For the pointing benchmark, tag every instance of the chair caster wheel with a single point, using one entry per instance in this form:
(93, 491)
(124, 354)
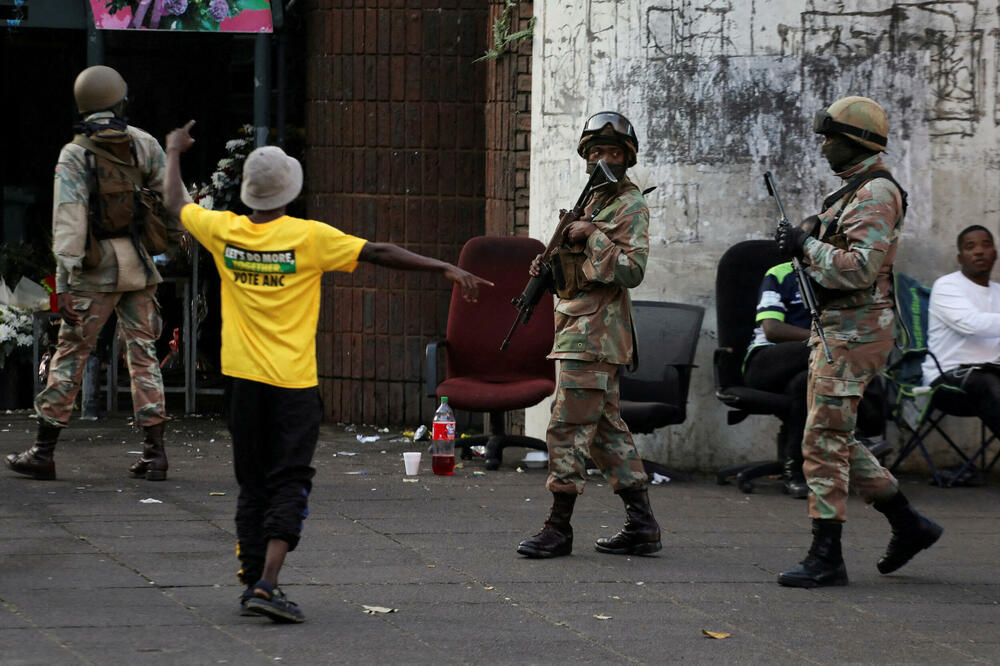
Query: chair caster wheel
(492, 464)
(746, 487)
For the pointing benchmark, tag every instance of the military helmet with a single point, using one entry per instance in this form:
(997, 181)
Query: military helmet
(98, 88)
(860, 119)
(609, 127)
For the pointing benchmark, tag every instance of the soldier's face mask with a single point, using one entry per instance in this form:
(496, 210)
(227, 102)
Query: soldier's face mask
(617, 170)
(840, 152)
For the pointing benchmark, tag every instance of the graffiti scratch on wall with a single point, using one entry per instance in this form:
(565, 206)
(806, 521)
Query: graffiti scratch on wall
(995, 34)
(689, 27)
(945, 29)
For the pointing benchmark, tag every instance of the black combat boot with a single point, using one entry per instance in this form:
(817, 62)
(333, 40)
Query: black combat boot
(641, 534)
(824, 565)
(793, 481)
(556, 537)
(152, 464)
(37, 462)
(911, 532)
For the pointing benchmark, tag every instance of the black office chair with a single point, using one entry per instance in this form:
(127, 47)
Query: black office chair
(655, 394)
(737, 282)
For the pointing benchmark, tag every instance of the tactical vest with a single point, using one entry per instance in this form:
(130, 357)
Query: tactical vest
(119, 203)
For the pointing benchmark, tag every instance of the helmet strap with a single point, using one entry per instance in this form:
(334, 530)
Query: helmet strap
(89, 128)
(863, 134)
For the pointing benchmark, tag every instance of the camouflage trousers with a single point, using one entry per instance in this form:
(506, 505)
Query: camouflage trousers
(586, 421)
(140, 322)
(835, 461)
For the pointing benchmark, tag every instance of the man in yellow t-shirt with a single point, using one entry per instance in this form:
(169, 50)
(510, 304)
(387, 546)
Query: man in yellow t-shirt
(270, 265)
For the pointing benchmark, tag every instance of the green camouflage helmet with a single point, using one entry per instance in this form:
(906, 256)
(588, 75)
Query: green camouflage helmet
(859, 119)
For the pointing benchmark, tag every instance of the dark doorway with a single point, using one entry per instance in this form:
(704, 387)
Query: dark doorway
(172, 77)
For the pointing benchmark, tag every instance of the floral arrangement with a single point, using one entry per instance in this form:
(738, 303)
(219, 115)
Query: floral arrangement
(16, 330)
(184, 14)
(224, 186)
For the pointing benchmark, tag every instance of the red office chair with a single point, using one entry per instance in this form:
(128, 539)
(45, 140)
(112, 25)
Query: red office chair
(479, 377)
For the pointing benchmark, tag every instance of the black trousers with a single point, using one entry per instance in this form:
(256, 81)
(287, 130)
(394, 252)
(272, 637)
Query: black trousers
(274, 437)
(981, 395)
(783, 368)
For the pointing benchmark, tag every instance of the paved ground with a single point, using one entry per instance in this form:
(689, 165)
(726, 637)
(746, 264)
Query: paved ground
(92, 575)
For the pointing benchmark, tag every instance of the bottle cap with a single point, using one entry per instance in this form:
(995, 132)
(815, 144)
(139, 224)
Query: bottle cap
(444, 398)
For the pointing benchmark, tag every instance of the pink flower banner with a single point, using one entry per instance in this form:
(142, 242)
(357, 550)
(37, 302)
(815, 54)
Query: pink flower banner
(185, 15)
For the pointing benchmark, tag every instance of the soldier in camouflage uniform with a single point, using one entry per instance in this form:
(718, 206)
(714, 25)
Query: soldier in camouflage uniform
(849, 250)
(603, 255)
(124, 281)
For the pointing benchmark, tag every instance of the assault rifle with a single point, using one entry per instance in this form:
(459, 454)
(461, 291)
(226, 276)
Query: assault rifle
(805, 286)
(532, 293)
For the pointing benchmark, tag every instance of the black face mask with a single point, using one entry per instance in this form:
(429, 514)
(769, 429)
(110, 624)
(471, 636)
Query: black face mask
(617, 170)
(841, 153)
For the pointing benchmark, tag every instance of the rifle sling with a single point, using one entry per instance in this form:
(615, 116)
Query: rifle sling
(852, 186)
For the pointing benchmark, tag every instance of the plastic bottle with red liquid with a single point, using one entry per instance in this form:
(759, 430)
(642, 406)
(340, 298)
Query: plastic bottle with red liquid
(443, 444)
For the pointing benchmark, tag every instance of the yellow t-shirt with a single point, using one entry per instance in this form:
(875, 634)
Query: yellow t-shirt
(270, 277)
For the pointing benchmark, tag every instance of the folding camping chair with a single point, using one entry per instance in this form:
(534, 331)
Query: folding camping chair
(912, 405)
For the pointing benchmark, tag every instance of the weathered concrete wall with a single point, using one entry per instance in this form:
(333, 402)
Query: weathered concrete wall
(722, 90)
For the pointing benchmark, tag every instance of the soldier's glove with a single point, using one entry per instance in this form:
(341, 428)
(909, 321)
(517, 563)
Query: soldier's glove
(790, 240)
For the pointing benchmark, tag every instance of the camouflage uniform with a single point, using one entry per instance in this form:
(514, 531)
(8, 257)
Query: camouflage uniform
(593, 340)
(123, 281)
(859, 330)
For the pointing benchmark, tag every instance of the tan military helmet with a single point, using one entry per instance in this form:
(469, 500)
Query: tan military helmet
(860, 119)
(98, 88)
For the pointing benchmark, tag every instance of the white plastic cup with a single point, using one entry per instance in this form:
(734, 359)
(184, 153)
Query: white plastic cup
(411, 459)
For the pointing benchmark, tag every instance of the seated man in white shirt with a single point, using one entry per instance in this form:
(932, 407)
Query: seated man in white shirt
(964, 331)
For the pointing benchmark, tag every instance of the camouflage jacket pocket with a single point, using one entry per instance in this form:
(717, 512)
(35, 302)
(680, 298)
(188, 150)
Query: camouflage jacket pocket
(586, 304)
(838, 387)
(575, 344)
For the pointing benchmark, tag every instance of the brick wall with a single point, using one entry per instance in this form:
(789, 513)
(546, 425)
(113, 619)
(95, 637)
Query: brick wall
(395, 136)
(508, 129)
(508, 142)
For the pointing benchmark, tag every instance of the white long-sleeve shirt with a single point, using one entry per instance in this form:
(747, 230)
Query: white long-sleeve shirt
(964, 324)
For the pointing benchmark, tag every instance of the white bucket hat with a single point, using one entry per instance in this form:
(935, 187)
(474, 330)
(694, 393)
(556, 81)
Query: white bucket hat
(271, 179)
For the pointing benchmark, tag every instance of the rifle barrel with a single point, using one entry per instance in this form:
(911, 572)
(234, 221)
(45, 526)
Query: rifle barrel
(805, 287)
(532, 292)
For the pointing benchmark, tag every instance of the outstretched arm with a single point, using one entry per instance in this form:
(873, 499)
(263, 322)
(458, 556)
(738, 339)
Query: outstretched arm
(178, 141)
(393, 256)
